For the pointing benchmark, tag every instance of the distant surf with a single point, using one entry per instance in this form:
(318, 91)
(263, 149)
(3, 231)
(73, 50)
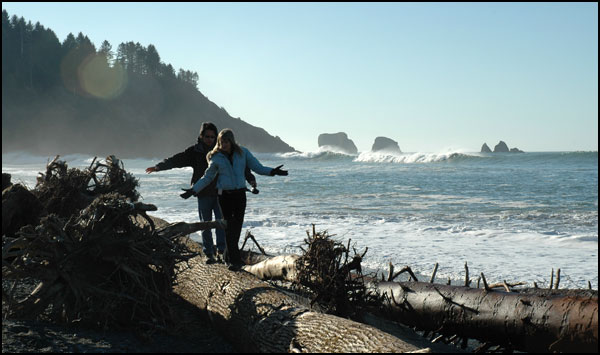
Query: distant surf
(329, 153)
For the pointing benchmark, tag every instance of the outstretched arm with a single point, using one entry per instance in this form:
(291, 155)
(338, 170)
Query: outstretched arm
(279, 171)
(151, 169)
(255, 165)
(178, 160)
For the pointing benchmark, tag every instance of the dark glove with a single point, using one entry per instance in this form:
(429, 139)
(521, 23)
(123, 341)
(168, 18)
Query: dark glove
(188, 193)
(278, 171)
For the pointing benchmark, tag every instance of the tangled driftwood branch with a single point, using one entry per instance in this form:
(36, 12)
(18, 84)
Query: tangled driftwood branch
(65, 191)
(325, 268)
(93, 261)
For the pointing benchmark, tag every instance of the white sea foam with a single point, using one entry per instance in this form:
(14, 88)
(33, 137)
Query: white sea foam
(411, 158)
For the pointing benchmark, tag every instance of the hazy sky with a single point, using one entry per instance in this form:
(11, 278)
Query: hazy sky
(432, 76)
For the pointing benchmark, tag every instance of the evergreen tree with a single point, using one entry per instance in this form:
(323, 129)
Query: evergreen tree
(188, 76)
(152, 60)
(106, 51)
(46, 56)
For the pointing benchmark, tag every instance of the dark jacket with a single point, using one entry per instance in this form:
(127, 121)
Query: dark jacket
(195, 156)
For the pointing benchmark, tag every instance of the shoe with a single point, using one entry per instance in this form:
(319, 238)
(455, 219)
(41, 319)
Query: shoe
(210, 260)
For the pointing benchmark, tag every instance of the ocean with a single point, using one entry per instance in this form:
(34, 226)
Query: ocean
(511, 216)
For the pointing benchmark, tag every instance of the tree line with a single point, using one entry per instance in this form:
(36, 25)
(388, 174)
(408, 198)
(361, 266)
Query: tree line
(71, 97)
(34, 58)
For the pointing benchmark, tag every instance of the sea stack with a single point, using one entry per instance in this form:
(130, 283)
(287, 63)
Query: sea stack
(485, 148)
(338, 140)
(385, 144)
(501, 147)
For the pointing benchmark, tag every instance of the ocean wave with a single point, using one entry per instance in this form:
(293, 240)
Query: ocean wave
(411, 158)
(330, 154)
(323, 153)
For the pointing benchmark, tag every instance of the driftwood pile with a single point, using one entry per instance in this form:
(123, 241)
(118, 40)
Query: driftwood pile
(86, 249)
(500, 316)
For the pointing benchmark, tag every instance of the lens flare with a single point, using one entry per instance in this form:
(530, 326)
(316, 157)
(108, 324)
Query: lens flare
(92, 76)
(98, 79)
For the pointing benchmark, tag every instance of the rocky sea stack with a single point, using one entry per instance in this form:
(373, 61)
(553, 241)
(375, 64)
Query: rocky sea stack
(485, 148)
(385, 144)
(338, 140)
(501, 147)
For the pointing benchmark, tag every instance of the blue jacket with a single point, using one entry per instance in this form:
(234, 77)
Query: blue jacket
(230, 177)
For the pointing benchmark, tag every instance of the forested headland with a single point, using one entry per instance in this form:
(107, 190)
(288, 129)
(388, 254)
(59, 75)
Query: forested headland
(71, 97)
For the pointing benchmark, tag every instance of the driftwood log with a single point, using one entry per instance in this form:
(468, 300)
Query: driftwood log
(534, 320)
(260, 318)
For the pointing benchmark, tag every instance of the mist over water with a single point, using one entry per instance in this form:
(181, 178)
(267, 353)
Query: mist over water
(513, 217)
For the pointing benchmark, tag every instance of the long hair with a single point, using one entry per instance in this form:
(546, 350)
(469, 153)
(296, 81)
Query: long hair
(226, 134)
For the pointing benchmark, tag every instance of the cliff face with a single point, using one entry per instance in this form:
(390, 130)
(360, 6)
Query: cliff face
(338, 140)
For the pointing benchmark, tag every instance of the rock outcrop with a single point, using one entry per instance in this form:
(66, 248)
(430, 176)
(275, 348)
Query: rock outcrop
(338, 140)
(385, 144)
(485, 148)
(501, 147)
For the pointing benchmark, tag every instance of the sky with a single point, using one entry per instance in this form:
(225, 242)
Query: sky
(434, 77)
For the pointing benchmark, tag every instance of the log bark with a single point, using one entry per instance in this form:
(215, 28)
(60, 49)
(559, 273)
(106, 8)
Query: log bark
(530, 321)
(260, 318)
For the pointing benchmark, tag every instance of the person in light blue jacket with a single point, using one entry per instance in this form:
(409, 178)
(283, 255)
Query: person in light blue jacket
(227, 163)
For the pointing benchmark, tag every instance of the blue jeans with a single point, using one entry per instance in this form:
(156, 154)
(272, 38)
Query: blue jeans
(206, 206)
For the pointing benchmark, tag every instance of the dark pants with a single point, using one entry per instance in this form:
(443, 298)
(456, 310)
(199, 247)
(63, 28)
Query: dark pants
(233, 205)
(206, 206)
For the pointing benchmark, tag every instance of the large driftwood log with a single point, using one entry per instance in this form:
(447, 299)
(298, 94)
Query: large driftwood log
(260, 318)
(527, 321)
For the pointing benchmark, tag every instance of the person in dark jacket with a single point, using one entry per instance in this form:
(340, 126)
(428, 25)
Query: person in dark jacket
(227, 164)
(195, 157)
